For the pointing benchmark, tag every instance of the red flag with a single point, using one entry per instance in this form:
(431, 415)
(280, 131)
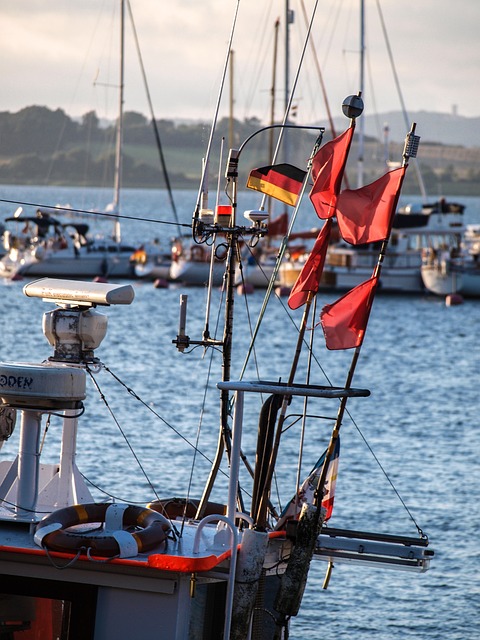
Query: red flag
(344, 322)
(306, 493)
(281, 181)
(328, 166)
(309, 277)
(365, 214)
(278, 226)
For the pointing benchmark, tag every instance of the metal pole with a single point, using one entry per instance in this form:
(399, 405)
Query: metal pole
(261, 517)
(119, 141)
(224, 435)
(361, 132)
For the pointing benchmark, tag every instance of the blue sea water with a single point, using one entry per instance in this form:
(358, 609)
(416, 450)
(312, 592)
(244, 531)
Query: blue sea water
(420, 360)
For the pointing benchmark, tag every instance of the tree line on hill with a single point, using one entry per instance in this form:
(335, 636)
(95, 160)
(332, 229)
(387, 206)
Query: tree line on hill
(39, 145)
(43, 146)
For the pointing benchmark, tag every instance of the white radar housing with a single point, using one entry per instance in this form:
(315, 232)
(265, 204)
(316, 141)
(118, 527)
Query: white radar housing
(82, 294)
(256, 216)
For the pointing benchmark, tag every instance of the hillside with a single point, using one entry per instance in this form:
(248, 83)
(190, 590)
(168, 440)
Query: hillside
(437, 128)
(41, 146)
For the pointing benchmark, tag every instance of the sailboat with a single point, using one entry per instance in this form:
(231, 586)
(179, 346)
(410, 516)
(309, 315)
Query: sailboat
(186, 567)
(44, 245)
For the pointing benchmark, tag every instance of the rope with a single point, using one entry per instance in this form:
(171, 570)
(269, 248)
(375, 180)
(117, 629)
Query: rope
(104, 399)
(389, 480)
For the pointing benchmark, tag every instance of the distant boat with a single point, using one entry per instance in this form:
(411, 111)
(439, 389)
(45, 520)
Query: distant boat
(417, 230)
(42, 245)
(457, 271)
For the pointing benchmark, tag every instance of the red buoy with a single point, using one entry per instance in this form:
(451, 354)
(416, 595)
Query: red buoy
(283, 291)
(453, 299)
(245, 289)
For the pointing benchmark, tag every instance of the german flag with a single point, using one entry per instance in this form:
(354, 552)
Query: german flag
(280, 181)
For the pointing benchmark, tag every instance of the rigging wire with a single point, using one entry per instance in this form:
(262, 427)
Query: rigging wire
(155, 413)
(125, 437)
(202, 413)
(400, 96)
(58, 208)
(312, 356)
(292, 92)
(201, 188)
(197, 440)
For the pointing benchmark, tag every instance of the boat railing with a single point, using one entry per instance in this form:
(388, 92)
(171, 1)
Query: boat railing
(229, 524)
(282, 389)
(339, 545)
(374, 549)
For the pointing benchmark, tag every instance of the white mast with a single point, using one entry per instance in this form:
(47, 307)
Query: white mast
(361, 124)
(119, 140)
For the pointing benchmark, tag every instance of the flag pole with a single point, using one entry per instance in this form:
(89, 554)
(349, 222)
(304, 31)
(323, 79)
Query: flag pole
(288, 599)
(410, 150)
(352, 107)
(281, 251)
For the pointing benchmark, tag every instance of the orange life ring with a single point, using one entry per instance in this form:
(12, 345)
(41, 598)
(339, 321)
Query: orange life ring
(112, 541)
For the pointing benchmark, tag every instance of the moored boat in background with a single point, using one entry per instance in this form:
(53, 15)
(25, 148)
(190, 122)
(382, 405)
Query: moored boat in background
(417, 231)
(42, 245)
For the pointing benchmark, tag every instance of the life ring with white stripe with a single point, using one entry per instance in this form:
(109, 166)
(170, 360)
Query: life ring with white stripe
(148, 529)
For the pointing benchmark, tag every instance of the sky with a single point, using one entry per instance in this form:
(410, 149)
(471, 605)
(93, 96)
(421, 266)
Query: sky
(64, 54)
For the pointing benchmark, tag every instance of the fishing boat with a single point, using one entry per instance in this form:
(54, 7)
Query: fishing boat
(182, 567)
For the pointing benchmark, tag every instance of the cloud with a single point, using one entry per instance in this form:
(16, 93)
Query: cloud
(50, 53)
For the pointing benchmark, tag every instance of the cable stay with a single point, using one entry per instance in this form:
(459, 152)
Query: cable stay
(154, 122)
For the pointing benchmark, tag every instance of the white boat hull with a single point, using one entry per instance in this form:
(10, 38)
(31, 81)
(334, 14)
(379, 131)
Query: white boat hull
(441, 282)
(84, 265)
(195, 273)
(404, 280)
(153, 270)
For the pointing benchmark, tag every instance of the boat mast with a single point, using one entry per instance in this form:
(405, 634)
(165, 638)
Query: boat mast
(361, 128)
(154, 124)
(273, 89)
(288, 21)
(119, 139)
(231, 102)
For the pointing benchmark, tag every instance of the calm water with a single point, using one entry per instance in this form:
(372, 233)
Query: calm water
(420, 359)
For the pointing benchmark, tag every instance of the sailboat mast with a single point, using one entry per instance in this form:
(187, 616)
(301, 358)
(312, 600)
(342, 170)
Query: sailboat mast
(273, 89)
(288, 21)
(231, 101)
(361, 128)
(287, 52)
(119, 139)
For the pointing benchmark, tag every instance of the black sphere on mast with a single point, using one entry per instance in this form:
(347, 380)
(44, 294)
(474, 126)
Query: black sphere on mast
(352, 106)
